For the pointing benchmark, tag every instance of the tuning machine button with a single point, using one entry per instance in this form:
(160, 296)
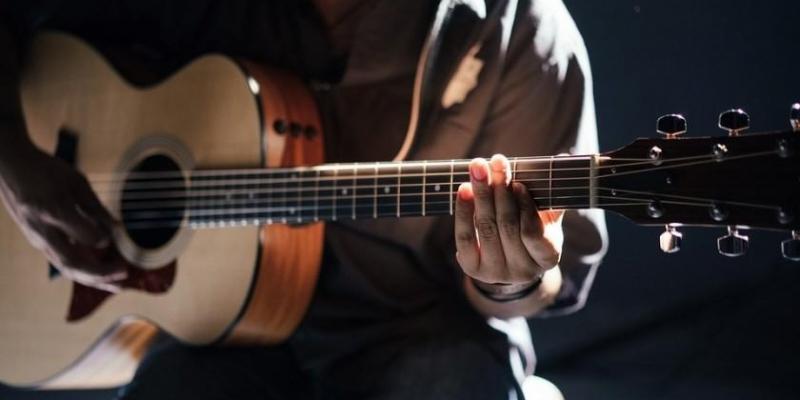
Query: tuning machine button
(734, 121)
(670, 240)
(733, 244)
(794, 117)
(790, 248)
(671, 125)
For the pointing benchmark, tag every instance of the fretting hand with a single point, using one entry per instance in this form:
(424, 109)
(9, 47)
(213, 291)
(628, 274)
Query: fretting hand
(501, 237)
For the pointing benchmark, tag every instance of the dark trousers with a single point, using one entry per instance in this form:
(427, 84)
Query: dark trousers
(435, 370)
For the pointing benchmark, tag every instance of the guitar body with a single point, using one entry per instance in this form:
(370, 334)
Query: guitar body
(247, 285)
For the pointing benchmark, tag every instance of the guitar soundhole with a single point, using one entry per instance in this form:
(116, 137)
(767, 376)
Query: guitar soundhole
(153, 201)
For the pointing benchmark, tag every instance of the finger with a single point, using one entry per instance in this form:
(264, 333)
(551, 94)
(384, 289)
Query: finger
(520, 265)
(80, 262)
(532, 231)
(485, 222)
(94, 210)
(467, 252)
(70, 219)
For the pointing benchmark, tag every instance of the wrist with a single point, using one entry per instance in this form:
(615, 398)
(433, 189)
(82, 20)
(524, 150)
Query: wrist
(528, 306)
(506, 292)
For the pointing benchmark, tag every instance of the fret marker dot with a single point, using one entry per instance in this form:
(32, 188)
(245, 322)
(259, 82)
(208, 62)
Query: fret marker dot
(387, 189)
(437, 187)
(344, 191)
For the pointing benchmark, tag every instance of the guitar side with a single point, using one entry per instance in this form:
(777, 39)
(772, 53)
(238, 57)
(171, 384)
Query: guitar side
(243, 285)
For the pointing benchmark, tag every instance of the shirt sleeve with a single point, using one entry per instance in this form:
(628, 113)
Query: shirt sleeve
(544, 105)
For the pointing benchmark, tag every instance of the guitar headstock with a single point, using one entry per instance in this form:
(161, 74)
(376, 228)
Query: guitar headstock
(737, 182)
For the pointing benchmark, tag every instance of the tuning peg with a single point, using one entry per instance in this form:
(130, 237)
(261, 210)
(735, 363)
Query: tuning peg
(734, 121)
(794, 117)
(670, 240)
(790, 248)
(733, 244)
(671, 125)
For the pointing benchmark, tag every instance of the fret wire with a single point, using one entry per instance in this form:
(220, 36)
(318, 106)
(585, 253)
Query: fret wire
(399, 173)
(550, 182)
(424, 181)
(514, 170)
(375, 193)
(285, 199)
(355, 178)
(452, 163)
(335, 192)
(268, 186)
(298, 212)
(316, 197)
(593, 181)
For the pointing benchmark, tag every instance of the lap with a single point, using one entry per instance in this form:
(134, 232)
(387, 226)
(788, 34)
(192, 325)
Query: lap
(433, 368)
(174, 371)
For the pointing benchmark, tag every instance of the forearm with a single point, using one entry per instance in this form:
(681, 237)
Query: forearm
(527, 306)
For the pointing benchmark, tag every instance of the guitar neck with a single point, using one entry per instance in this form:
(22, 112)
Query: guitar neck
(334, 192)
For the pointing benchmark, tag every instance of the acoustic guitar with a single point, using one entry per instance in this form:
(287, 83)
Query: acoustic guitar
(217, 177)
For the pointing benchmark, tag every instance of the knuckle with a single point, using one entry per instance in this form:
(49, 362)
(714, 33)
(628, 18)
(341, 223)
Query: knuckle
(463, 211)
(486, 227)
(508, 222)
(465, 237)
(482, 191)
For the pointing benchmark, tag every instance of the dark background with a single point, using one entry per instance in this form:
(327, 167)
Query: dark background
(692, 324)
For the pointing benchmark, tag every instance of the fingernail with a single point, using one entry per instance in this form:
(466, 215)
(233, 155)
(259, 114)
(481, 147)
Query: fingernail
(478, 171)
(498, 163)
(464, 192)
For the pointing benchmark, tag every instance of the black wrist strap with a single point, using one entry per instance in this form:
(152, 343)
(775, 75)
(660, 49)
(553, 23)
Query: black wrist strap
(501, 296)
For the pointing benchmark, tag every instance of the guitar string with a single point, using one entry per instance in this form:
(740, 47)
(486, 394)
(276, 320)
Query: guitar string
(100, 177)
(355, 187)
(181, 193)
(284, 205)
(247, 218)
(144, 204)
(195, 205)
(223, 192)
(734, 203)
(297, 172)
(301, 207)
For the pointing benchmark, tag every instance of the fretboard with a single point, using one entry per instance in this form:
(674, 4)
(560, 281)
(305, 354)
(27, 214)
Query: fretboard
(334, 192)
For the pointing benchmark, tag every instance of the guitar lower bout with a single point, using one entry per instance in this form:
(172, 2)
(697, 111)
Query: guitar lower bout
(244, 285)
